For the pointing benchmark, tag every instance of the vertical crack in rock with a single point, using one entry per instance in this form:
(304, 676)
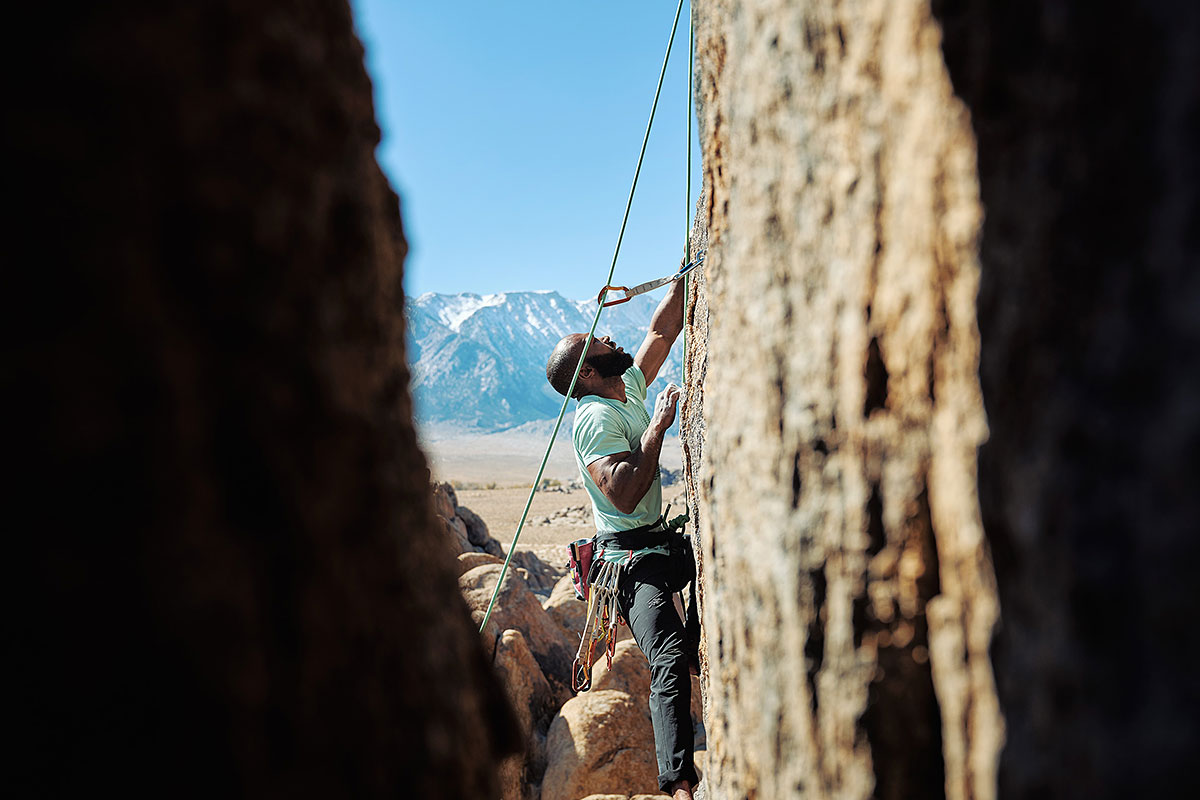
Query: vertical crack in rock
(903, 720)
(876, 536)
(814, 643)
(797, 481)
(877, 379)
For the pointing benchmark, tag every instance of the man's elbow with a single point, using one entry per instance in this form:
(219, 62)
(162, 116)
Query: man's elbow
(669, 330)
(624, 504)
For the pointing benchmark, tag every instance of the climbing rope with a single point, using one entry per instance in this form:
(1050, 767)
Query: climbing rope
(592, 331)
(687, 241)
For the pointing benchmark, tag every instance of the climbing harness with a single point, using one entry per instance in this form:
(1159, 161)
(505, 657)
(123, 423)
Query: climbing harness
(648, 286)
(600, 585)
(595, 321)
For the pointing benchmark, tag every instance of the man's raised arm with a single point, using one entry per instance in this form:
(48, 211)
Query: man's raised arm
(665, 326)
(624, 478)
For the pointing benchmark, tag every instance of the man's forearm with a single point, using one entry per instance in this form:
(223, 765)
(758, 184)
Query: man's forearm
(634, 476)
(667, 321)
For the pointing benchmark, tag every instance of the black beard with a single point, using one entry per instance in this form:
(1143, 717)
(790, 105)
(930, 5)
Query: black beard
(611, 365)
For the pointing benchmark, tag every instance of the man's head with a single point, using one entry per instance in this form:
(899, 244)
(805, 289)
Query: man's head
(604, 361)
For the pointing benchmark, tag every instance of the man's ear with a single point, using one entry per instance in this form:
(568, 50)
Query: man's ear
(586, 374)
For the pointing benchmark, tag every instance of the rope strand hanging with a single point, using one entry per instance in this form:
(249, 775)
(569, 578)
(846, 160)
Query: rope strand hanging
(595, 321)
(687, 248)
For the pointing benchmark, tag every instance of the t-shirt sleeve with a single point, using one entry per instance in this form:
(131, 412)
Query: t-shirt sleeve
(635, 383)
(598, 433)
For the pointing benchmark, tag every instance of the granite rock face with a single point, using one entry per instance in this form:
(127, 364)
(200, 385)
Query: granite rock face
(858, 312)
(849, 598)
(238, 585)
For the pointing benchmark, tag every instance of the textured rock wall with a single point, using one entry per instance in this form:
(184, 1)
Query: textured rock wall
(842, 527)
(691, 406)
(230, 580)
(849, 599)
(1088, 117)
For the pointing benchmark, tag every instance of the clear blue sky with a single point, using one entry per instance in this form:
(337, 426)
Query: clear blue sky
(511, 130)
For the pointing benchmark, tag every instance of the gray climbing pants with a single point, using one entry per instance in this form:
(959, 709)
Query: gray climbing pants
(649, 608)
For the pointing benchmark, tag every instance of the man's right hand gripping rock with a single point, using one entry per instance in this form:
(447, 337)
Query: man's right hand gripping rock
(664, 408)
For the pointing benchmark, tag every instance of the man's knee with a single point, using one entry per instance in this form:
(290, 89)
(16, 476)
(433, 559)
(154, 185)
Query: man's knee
(669, 659)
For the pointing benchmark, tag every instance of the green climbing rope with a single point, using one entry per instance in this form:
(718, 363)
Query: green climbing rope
(687, 200)
(687, 236)
(591, 332)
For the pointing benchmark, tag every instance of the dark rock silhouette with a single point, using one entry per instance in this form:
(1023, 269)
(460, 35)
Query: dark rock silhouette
(1088, 122)
(230, 580)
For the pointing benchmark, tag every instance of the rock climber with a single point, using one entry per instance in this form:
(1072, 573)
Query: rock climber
(617, 446)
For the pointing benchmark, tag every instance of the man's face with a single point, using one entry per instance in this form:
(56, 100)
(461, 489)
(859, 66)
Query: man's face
(607, 358)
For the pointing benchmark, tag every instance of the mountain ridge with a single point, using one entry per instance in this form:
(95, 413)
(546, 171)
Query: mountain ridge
(479, 361)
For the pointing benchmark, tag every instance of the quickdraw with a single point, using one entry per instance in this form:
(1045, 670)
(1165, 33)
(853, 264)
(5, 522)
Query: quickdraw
(649, 286)
(602, 619)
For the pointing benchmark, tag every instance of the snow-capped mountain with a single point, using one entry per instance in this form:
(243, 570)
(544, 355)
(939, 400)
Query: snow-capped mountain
(479, 362)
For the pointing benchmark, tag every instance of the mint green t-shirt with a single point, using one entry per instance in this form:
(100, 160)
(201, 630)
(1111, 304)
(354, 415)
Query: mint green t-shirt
(604, 427)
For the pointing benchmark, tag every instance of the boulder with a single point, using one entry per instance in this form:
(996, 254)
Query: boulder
(600, 741)
(849, 351)
(542, 576)
(565, 609)
(629, 673)
(534, 701)
(527, 687)
(457, 535)
(471, 559)
(701, 739)
(477, 532)
(580, 516)
(518, 608)
(444, 500)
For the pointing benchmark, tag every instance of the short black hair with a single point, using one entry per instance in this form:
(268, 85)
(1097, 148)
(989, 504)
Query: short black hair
(560, 368)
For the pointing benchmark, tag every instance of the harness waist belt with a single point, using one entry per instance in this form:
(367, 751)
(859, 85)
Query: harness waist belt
(652, 535)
